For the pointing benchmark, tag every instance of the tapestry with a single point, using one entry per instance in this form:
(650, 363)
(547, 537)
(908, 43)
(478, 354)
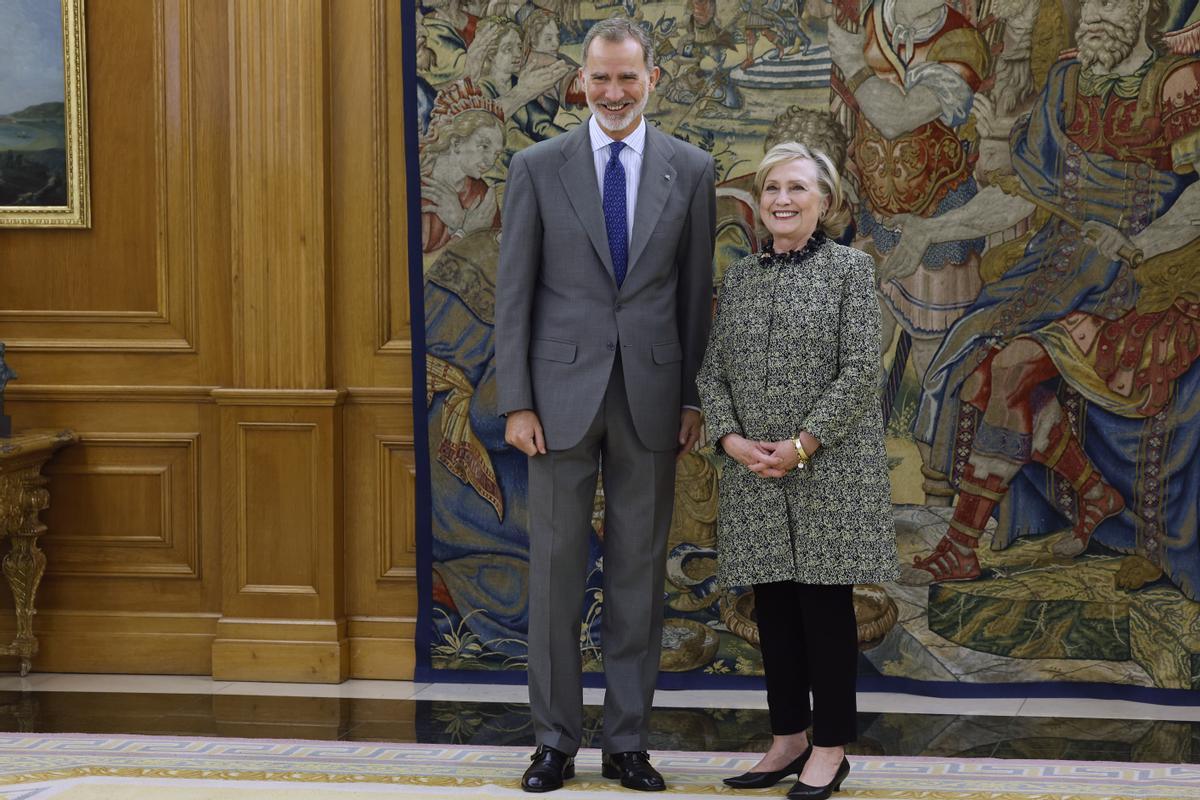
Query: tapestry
(1022, 171)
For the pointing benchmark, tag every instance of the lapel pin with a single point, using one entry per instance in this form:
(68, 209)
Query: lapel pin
(668, 177)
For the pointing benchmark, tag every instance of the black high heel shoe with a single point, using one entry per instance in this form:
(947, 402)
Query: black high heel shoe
(761, 780)
(802, 791)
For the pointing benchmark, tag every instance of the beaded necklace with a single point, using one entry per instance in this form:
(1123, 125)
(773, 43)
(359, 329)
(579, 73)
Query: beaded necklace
(769, 258)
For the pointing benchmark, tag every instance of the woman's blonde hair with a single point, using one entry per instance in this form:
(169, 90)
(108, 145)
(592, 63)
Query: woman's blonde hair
(836, 216)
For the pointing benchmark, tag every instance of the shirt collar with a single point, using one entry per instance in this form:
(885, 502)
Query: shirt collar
(635, 141)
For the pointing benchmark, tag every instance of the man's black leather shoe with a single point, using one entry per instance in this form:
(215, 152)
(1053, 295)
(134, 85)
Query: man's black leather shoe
(549, 769)
(634, 770)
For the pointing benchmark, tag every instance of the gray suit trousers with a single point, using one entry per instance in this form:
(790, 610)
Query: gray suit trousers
(639, 496)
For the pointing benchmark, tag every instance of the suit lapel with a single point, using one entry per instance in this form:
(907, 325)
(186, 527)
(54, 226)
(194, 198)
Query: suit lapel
(578, 177)
(654, 189)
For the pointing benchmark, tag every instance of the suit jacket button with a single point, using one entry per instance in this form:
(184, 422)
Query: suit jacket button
(617, 307)
(612, 346)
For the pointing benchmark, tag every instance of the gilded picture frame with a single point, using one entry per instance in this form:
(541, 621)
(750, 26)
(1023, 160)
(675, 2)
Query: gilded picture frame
(43, 116)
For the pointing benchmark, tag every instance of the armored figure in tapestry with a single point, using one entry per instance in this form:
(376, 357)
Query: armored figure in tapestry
(911, 74)
(1071, 383)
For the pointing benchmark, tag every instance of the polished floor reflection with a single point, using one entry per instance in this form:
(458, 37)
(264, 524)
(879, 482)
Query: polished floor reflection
(441, 721)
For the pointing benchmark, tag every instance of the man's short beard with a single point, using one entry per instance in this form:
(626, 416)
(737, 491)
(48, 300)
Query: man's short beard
(605, 118)
(1113, 47)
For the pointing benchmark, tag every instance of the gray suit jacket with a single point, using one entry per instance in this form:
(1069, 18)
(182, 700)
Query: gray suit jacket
(559, 315)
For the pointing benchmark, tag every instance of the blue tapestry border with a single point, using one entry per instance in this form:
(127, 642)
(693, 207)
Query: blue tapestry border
(416, 293)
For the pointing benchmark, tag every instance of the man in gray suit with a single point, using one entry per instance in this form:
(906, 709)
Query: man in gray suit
(602, 315)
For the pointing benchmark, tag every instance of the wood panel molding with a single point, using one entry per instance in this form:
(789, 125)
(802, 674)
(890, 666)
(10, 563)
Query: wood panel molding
(372, 335)
(378, 395)
(280, 214)
(396, 501)
(140, 643)
(381, 587)
(33, 393)
(130, 507)
(380, 240)
(282, 539)
(382, 648)
(278, 474)
(295, 650)
(399, 331)
(278, 397)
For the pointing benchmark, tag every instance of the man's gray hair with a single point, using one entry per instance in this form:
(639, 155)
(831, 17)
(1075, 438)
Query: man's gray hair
(618, 29)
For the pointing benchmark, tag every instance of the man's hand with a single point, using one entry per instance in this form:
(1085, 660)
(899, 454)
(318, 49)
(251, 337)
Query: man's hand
(523, 430)
(689, 431)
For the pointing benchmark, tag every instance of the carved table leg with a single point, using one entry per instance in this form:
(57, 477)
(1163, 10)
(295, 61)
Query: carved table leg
(22, 497)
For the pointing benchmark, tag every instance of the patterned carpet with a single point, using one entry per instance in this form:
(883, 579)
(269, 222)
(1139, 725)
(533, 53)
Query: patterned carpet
(80, 767)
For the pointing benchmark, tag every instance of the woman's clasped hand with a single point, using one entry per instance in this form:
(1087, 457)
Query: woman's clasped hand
(765, 459)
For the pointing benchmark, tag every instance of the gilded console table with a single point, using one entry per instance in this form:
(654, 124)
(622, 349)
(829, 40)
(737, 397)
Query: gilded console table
(23, 495)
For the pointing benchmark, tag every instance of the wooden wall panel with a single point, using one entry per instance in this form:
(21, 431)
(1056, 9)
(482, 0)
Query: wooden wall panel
(280, 208)
(381, 597)
(231, 341)
(372, 337)
(126, 191)
(130, 507)
(137, 299)
(282, 537)
(396, 497)
(127, 589)
(128, 284)
(369, 210)
(390, 67)
(278, 475)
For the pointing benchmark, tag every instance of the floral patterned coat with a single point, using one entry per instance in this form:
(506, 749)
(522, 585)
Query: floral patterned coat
(796, 347)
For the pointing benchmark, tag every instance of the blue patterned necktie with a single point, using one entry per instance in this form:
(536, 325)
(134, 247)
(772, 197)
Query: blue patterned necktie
(614, 212)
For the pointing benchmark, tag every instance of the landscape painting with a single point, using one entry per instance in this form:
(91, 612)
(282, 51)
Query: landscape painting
(43, 121)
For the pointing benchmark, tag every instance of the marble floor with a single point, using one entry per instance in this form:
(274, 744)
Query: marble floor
(398, 711)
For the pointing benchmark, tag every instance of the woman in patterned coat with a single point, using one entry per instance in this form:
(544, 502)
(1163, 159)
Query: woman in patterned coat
(789, 388)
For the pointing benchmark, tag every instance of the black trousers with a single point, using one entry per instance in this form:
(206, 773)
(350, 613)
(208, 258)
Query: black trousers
(809, 641)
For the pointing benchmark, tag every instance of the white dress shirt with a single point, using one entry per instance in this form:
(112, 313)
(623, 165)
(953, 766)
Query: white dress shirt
(630, 158)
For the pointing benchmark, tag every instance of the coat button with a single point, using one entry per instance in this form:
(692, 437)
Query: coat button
(617, 307)
(611, 346)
